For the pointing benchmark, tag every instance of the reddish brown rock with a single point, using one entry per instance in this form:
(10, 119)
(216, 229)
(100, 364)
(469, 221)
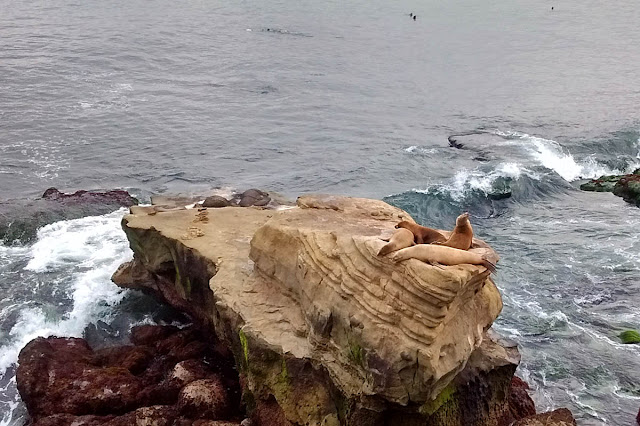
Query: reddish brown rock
(204, 399)
(133, 358)
(189, 371)
(63, 382)
(559, 417)
(520, 403)
(150, 334)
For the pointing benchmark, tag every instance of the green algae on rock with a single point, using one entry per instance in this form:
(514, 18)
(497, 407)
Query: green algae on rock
(629, 337)
(626, 186)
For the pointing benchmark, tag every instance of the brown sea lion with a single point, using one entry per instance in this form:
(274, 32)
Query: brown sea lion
(462, 235)
(435, 254)
(422, 234)
(400, 239)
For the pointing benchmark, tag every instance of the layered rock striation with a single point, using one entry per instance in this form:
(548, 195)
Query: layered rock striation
(322, 329)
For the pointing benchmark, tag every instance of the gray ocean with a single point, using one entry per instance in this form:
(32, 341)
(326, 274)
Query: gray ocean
(348, 98)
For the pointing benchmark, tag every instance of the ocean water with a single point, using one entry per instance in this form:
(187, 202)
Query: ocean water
(349, 98)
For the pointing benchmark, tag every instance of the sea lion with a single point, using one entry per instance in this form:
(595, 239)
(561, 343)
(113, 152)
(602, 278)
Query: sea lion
(400, 239)
(434, 254)
(462, 235)
(422, 234)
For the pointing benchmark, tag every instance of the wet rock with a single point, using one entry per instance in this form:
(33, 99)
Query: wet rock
(119, 197)
(625, 186)
(20, 219)
(638, 418)
(64, 382)
(559, 417)
(628, 187)
(151, 334)
(215, 201)
(520, 403)
(629, 337)
(205, 398)
(253, 197)
(133, 358)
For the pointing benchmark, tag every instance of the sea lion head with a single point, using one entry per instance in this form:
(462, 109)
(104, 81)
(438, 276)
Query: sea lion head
(403, 224)
(463, 219)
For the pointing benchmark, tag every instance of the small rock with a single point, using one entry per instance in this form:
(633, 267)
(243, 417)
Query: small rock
(254, 197)
(246, 422)
(204, 399)
(215, 201)
(157, 415)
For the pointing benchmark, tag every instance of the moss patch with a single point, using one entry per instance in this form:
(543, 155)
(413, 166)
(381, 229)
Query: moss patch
(445, 398)
(629, 336)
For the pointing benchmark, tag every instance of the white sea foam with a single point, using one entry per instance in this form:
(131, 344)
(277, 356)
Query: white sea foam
(85, 251)
(468, 180)
(553, 156)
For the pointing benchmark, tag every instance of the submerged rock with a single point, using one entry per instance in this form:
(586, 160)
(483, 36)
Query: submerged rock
(20, 219)
(625, 186)
(629, 336)
(322, 330)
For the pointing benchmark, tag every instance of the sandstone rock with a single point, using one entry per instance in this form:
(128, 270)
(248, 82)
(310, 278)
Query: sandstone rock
(323, 330)
(215, 201)
(205, 398)
(559, 417)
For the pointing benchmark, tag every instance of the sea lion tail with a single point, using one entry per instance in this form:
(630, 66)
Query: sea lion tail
(489, 265)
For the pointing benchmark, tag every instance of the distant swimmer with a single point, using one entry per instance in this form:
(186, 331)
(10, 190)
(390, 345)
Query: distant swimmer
(551, 7)
(414, 17)
(411, 15)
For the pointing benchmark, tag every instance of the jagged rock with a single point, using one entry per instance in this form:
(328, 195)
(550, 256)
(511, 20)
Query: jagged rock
(20, 219)
(628, 187)
(204, 399)
(215, 201)
(559, 417)
(118, 197)
(189, 371)
(638, 417)
(323, 330)
(520, 402)
(64, 382)
(625, 186)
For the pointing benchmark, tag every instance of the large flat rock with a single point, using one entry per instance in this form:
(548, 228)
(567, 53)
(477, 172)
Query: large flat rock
(317, 321)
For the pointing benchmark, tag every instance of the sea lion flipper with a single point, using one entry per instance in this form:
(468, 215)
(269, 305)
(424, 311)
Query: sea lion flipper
(489, 265)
